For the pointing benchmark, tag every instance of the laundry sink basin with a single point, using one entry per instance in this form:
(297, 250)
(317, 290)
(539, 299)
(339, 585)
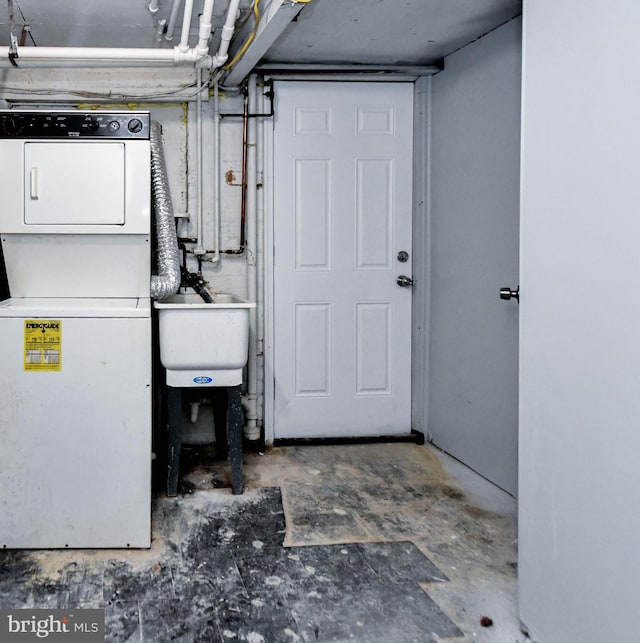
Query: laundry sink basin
(203, 344)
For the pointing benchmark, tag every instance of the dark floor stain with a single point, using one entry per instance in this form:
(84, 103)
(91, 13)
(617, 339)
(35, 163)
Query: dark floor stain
(452, 492)
(477, 512)
(224, 575)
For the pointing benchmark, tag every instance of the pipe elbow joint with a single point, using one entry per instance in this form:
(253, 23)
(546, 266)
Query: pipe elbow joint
(206, 62)
(219, 61)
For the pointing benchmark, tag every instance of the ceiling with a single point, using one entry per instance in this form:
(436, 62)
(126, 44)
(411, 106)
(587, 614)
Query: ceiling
(374, 32)
(388, 32)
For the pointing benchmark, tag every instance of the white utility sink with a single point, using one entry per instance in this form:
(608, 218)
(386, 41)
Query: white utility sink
(203, 344)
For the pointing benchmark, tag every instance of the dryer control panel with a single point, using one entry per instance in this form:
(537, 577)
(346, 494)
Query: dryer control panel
(73, 124)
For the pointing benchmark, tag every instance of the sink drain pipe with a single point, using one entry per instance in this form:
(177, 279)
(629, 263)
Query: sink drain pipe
(167, 281)
(249, 186)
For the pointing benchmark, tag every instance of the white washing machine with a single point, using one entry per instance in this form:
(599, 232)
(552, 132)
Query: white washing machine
(75, 334)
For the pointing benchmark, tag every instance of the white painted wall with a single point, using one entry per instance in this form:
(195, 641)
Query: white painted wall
(474, 184)
(579, 518)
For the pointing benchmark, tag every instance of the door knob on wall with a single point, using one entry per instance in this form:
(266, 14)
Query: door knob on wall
(507, 293)
(404, 281)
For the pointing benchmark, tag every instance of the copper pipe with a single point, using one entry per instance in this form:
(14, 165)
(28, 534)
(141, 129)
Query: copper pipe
(243, 204)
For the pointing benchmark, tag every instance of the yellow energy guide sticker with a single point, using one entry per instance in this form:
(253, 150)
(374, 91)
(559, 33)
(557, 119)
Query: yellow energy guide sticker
(42, 344)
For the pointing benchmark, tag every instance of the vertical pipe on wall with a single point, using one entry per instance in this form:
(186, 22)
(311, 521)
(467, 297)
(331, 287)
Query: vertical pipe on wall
(268, 254)
(159, 29)
(216, 174)
(251, 429)
(173, 18)
(226, 34)
(186, 26)
(204, 32)
(199, 249)
(260, 260)
(245, 160)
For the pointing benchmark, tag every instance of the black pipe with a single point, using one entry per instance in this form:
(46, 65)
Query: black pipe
(193, 281)
(269, 93)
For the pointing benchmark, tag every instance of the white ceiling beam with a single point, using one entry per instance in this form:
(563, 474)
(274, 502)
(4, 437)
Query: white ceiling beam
(275, 17)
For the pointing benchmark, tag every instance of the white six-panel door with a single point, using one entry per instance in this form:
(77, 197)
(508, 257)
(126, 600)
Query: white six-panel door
(342, 214)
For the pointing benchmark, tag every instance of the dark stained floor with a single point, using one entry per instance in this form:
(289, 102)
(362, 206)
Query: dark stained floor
(341, 561)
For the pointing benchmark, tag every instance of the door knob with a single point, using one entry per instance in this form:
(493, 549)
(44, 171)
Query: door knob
(404, 281)
(507, 293)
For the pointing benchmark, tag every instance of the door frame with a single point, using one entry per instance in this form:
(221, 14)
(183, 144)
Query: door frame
(421, 226)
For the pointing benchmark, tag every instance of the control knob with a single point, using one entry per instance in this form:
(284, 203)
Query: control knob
(11, 125)
(135, 125)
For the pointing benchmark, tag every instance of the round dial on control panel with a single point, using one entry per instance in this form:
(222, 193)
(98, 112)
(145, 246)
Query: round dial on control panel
(93, 124)
(11, 126)
(135, 125)
(114, 126)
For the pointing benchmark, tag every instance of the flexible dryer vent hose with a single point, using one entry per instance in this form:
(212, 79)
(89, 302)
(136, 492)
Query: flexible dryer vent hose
(167, 281)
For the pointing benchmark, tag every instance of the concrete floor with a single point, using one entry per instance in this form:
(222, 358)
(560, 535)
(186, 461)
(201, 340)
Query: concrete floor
(379, 542)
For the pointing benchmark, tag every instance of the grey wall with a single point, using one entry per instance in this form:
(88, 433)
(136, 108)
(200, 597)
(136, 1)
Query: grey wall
(579, 518)
(475, 124)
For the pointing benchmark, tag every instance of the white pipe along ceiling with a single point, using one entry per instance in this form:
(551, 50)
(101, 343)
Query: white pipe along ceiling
(197, 55)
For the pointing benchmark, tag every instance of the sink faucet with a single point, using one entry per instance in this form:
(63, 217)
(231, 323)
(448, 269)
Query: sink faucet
(192, 279)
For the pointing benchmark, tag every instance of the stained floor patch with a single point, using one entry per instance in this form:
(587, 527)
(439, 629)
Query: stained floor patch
(219, 572)
(362, 543)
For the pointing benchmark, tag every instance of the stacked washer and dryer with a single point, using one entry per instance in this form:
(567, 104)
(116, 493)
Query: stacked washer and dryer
(75, 334)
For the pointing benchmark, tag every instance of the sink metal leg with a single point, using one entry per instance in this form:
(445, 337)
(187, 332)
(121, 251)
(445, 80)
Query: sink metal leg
(234, 437)
(174, 438)
(219, 400)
